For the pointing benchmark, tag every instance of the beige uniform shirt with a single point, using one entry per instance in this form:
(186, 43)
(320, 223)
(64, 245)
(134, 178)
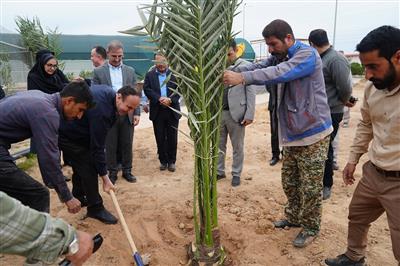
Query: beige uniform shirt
(380, 123)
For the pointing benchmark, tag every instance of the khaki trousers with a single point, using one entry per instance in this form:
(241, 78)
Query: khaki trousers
(374, 195)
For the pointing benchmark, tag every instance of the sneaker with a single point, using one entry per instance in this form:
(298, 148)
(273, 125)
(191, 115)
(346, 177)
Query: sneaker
(343, 260)
(303, 239)
(326, 193)
(235, 181)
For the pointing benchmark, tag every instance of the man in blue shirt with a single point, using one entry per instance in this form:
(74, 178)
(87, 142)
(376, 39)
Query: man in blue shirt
(304, 123)
(119, 141)
(37, 114)
(83, 145)
(163, 99)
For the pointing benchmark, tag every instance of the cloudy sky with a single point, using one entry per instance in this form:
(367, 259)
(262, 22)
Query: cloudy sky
(355, 18)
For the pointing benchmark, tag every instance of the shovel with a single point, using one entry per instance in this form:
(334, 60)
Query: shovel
(136, 256)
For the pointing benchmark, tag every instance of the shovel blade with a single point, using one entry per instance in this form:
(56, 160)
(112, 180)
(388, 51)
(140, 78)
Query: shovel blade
(138, 259)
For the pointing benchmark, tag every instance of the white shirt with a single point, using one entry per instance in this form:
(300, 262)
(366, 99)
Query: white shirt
(116, 76)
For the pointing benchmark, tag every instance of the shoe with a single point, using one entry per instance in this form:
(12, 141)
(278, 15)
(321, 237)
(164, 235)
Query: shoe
(219, 177)
(335, 166)
(274, 161)
(326, 193)
(235, 181)
(129, 177)
(303, 239)
(343, 260)
(103, 216)
(163, 166)
(171, 167)
(284, 223)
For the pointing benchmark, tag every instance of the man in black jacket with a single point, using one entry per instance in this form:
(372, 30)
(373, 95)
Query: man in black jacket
(83, 144)
(163, 98)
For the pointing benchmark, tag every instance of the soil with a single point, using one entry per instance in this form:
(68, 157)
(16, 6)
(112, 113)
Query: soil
(158, 208)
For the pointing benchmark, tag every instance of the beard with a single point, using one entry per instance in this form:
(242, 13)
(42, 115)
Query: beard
(279, 56)
(387, 80)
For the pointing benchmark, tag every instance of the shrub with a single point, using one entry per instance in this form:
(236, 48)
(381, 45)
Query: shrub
(357, 69)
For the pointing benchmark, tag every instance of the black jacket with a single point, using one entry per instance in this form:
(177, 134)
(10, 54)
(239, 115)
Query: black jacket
(152, 90)
(91, 130)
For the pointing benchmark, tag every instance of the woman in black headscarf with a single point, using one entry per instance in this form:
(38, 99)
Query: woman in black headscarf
(45, 75)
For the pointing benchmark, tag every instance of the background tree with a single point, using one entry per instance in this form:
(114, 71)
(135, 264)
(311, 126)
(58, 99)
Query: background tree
(35, 38)
(5, 72)
(194, 36)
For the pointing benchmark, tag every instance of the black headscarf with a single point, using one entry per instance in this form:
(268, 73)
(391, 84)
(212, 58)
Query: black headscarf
(39, 79)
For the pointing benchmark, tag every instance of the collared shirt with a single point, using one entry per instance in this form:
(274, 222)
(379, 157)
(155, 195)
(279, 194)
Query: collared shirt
(34, 113)
(380, 122)
(116, 76)
(32, 234)
(163, 86)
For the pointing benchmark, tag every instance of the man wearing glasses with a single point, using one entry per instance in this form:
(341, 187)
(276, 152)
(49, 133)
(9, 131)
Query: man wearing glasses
(120, 137)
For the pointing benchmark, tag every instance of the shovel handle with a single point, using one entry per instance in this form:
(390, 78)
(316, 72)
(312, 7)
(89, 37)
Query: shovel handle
(123, 222)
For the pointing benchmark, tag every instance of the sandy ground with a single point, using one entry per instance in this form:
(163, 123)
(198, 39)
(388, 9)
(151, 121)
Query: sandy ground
(158, 208)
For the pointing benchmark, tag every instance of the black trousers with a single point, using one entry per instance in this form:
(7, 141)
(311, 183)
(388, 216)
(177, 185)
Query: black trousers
(165, 127)
(328, 173)
(84, 177)
(19, 185)
(274, 134)
(119, 141)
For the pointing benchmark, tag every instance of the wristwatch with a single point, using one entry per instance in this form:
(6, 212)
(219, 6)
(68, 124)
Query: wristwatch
(73, 247)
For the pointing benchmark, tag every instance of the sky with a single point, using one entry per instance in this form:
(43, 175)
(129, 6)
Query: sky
(355, 18)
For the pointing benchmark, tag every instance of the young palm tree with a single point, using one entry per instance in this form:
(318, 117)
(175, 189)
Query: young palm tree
(194, 35)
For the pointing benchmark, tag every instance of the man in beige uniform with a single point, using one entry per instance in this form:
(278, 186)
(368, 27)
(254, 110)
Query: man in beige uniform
(379, 188)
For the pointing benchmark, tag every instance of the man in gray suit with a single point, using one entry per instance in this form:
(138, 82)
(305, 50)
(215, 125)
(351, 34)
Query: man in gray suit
(120, 137)
(238, 112)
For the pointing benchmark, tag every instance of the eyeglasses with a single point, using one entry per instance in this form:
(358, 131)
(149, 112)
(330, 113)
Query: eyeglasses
(52, 66)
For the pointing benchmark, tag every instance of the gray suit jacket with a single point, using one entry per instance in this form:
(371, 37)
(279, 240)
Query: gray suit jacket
(242, 101)
(101, 75)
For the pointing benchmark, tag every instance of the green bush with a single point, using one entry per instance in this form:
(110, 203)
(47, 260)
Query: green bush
(69, 75)
(86, 74)
(28, 162)
(357, 69)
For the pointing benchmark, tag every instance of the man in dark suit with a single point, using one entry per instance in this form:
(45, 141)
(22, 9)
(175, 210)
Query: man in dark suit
(160, 88)
(120, 138)
(83, 141)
